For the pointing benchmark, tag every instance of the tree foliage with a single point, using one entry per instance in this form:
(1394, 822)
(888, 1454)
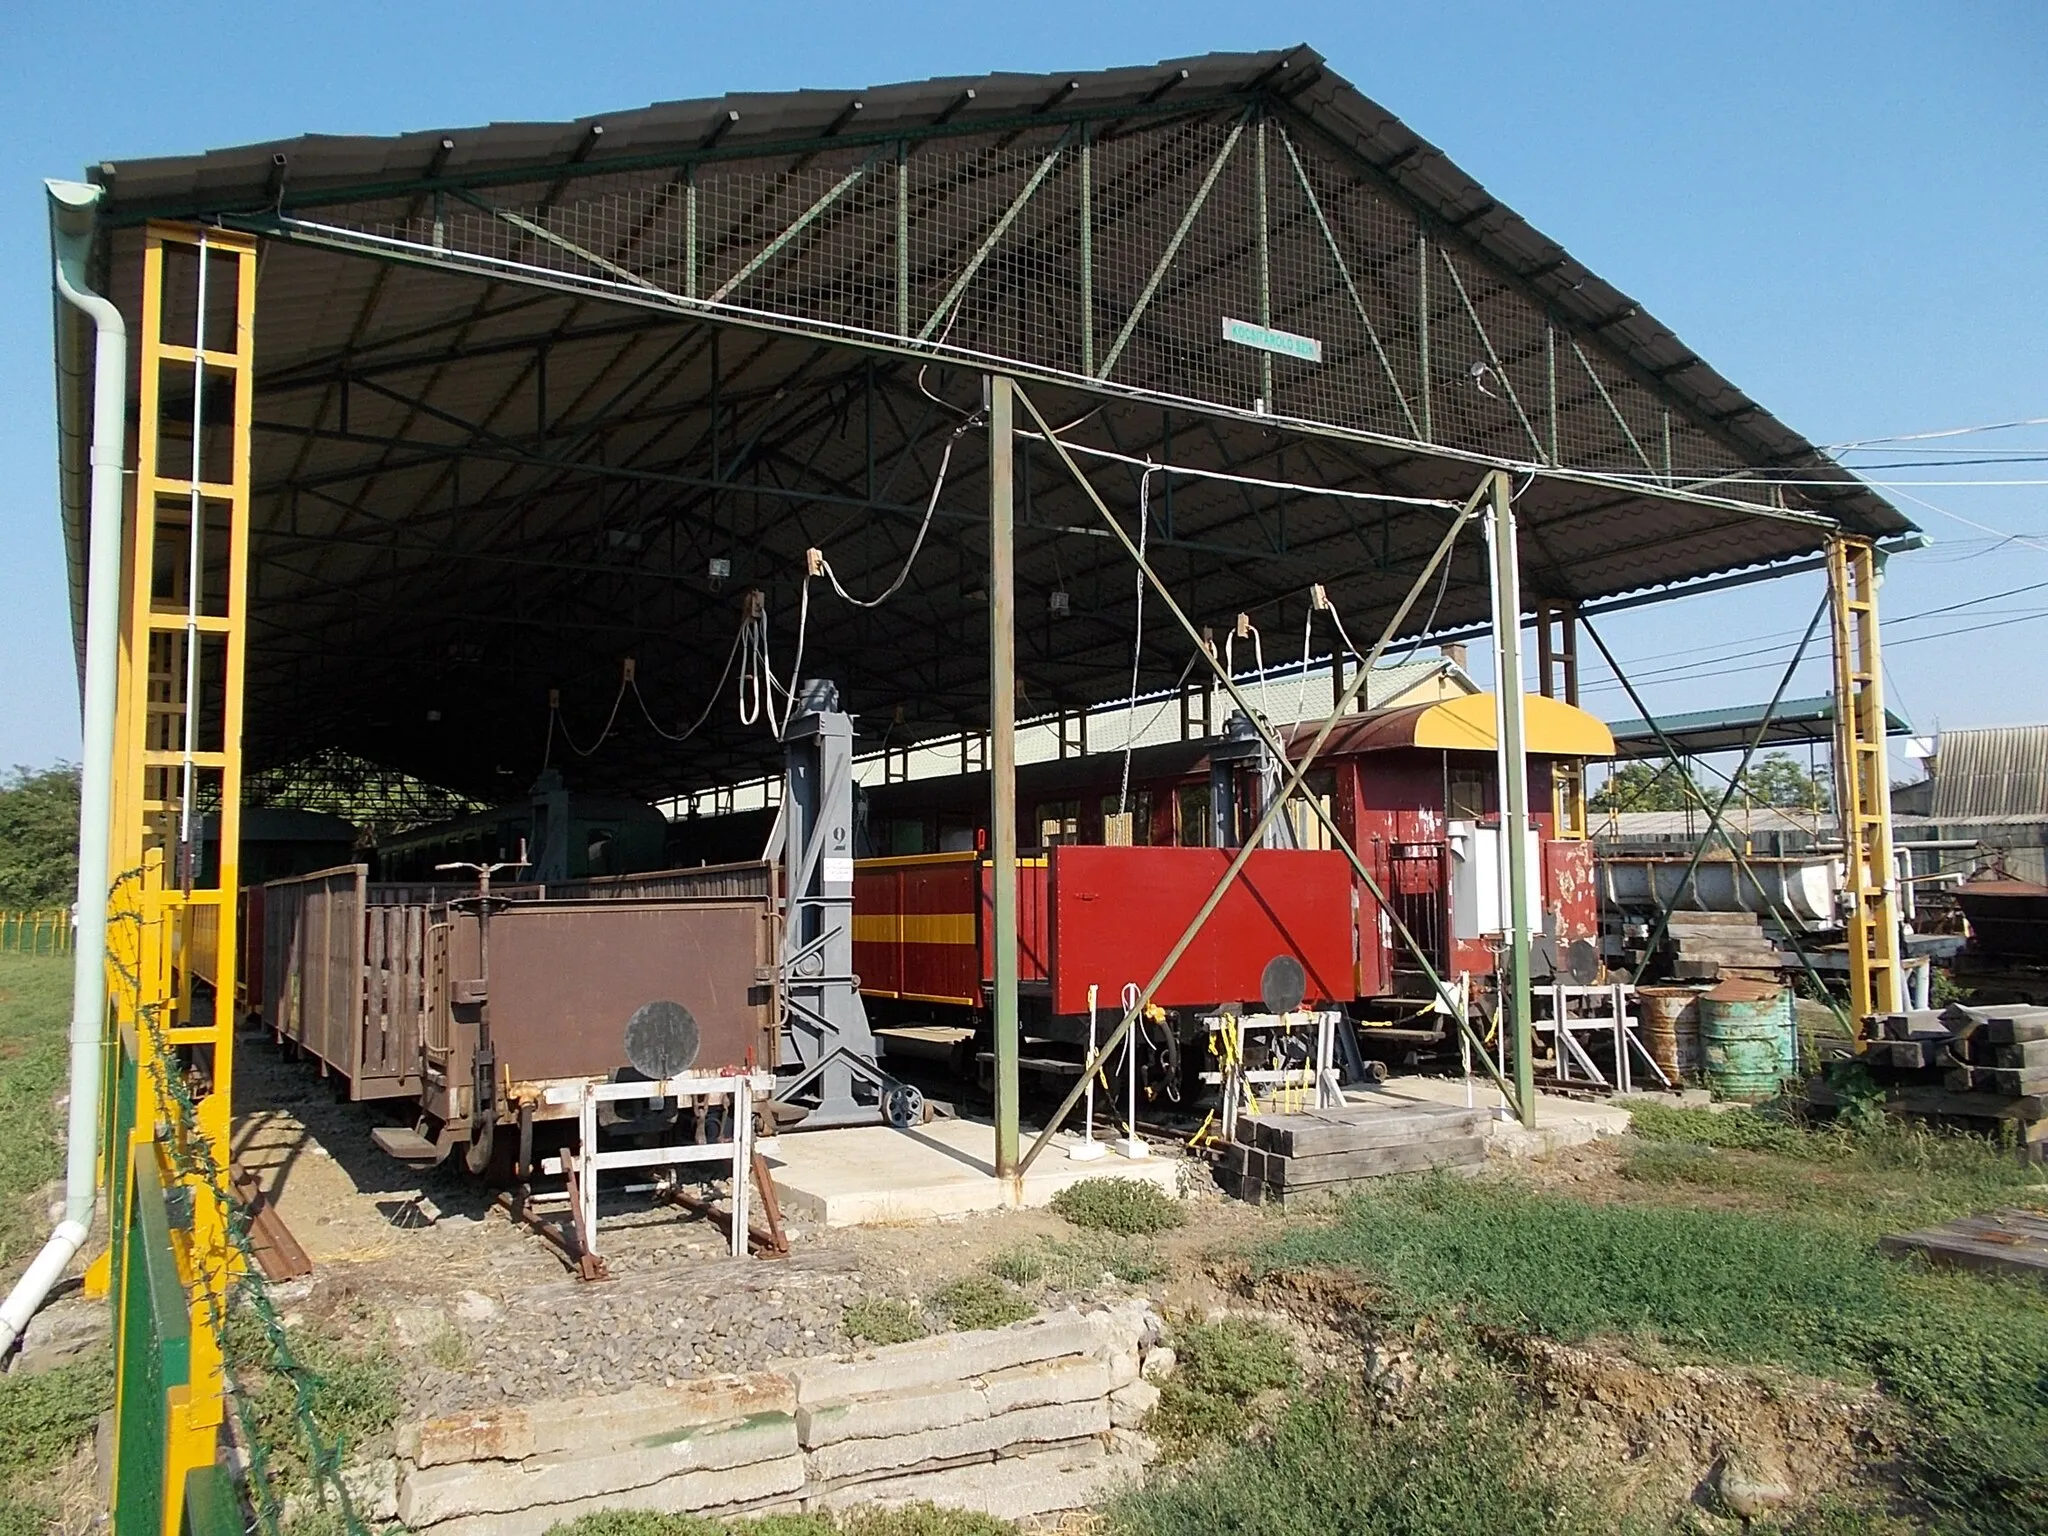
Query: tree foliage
(39, 837)
(1773, 779)
(1648, 786)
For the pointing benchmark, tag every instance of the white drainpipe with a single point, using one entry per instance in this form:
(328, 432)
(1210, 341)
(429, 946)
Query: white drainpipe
(72, 206)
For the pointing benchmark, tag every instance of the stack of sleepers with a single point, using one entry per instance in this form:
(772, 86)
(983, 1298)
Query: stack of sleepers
(1984, 1064)
(1286, 1159)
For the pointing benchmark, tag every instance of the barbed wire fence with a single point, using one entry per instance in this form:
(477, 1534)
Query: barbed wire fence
(194, 1159)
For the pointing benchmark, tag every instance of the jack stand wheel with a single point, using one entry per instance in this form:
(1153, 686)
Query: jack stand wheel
(903, 1106)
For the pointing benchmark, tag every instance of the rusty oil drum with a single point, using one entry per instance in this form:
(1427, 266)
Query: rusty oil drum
(1671, 1030)
(1746, 1029)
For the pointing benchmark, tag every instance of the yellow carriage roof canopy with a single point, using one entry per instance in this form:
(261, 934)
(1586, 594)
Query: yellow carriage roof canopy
(1466, 724)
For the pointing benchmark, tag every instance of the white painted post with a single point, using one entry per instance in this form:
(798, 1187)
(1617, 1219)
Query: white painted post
(1131, 1145)
(1087, 1149)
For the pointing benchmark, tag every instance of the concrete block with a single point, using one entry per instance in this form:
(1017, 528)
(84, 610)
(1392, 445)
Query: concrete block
(1130, 1406)
(1125, 1325)
(1069, 1379)
(62, 1332)
(1125, 1366)
(888, 1415)
(599, 1422)
(944, 1359)
(1055, 1421)
(436, 1494)
(1010, 1488)
(763, 1486)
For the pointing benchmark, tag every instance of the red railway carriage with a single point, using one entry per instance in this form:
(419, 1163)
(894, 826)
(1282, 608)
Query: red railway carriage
(1414, 790)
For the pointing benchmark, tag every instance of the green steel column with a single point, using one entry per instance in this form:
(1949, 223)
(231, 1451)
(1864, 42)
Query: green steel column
(1514, 773)
(1002, 762)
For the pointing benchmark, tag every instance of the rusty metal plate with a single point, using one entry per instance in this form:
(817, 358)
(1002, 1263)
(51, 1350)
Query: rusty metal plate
(566, 979)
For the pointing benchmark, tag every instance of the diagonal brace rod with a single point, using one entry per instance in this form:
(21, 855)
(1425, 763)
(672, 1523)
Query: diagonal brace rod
(1277, 803)
(803, 221)
(1741, 859)
(990, 242)
(1173, 246)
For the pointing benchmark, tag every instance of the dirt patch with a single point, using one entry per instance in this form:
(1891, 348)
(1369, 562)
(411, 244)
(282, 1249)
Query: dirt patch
(1662, 1432)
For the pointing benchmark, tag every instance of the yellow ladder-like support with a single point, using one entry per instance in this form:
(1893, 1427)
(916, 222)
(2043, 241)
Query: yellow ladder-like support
(1863, 782)
(177, 765)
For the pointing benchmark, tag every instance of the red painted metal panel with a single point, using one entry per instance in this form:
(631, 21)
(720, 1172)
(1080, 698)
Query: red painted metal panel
(1569, 889)
(1034, 939)
(1117, 911)
(914, 930)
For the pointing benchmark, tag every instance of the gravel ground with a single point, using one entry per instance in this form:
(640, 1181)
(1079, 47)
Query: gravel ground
(479, 1311)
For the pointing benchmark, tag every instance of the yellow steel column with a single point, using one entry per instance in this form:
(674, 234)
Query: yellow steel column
(178, 760)
(1863, 782)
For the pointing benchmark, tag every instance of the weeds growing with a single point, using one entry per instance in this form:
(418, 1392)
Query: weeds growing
(1079, 1262)
(1225, 1367)
(1455, 1463)
(981, 1301)
(882, 1320)
(35, 1003)
(1129, 1207)
(1967, 1357)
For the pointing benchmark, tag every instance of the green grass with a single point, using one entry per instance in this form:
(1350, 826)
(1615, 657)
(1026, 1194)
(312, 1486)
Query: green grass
(351, 1394)
(916, 1520)
(1879, 1175)
(882, 1320)
(1077, 1263)
(35, 1012)
(1968, 1357)
(43, 1419)
(1455, 1463)
(981, 1301)
(1129, 1207)
(1225, 1368)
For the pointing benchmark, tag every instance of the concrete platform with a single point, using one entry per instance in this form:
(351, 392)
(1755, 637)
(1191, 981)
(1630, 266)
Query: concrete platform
(1560, 1122)
(872, 1175)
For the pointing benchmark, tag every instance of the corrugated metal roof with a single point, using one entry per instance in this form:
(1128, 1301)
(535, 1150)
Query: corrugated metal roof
(1794, 722)
(447, 527)
(1994, 772)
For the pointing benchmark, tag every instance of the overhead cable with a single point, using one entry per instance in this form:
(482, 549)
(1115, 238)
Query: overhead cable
(931, 507)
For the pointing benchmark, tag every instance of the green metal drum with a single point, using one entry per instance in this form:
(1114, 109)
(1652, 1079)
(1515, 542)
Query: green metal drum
(1747, 1032)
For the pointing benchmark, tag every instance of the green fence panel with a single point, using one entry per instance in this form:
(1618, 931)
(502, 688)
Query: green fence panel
(156, 1354)
(211, 1508)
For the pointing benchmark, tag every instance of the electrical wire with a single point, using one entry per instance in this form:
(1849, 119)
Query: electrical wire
(709, 704)
(1921, 437)
(931, 507)
(610, 720)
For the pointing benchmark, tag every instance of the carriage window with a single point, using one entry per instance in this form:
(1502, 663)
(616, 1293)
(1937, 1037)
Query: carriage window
(1140, 830)
(906, 835)
(1467, 796)
(1191, 804)
(956, 836)
(1059, 821)
(1310, 830)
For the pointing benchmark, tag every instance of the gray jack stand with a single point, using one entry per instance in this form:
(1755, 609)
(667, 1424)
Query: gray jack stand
(825, 1030)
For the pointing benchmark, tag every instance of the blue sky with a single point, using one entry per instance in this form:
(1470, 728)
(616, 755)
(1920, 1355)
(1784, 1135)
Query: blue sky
(1840, 205)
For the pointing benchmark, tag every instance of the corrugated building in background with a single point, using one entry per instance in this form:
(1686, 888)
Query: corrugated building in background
(1988, 786)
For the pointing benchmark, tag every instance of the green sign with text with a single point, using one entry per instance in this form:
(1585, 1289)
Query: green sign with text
(1266, 339)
